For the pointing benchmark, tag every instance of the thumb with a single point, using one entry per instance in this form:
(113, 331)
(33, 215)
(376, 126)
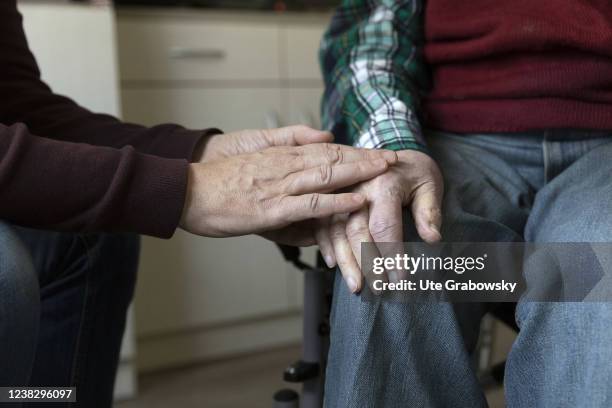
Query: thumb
(297, 136)
(426, 211)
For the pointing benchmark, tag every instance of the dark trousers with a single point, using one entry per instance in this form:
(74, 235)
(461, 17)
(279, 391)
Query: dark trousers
(63, 303)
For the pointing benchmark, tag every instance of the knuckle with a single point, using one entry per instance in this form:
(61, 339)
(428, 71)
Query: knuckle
(266, 134)
(275, 204)
(325, 174)
(356, 229)
(334, 155)
(314, 202)
(428, 187)
(386, 186)
(382, 227)
(337, 229)
(337, 233)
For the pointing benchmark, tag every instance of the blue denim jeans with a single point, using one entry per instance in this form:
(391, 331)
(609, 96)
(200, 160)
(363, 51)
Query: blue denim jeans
(553, 186)
(63, 303)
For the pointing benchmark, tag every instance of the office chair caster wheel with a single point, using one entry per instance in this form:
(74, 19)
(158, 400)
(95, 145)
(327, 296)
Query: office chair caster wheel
(286, 398)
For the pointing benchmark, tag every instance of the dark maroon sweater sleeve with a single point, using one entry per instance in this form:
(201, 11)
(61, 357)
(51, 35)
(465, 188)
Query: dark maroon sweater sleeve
(82, 171)
(46, 183)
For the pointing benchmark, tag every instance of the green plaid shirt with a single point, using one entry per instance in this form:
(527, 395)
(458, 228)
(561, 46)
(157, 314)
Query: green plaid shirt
(373, 70)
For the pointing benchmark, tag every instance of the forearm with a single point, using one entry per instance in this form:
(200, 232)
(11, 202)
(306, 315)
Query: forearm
(66, 186)
(373, 71)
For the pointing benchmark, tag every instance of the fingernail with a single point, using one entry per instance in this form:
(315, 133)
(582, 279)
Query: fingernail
(352, 284)
(329, 261)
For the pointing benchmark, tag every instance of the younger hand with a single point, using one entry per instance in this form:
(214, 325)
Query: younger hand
(222, 146)
(275, 187)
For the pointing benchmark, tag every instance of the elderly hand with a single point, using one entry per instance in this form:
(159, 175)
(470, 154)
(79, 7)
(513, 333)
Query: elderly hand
(416, 181)
(231, 195)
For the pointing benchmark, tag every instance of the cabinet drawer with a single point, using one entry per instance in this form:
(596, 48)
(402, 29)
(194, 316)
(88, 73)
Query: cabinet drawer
(194, 282)
(228, 109)
(194, 49)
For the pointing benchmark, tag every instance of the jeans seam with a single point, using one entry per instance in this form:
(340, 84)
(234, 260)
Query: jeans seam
(546, 156)
(75, 366)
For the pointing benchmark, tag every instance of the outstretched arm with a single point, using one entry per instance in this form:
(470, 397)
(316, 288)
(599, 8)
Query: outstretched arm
(371, 61)
(373, 72)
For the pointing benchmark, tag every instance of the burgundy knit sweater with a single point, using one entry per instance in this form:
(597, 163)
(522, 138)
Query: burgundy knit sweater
(516, 65)
(63, 167)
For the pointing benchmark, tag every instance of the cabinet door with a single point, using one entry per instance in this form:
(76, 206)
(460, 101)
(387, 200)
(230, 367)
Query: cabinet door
(192, 283)
(228, 109)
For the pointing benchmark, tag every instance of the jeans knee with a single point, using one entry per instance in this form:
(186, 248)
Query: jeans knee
(19, 309)
(579, 317)
(19, 290)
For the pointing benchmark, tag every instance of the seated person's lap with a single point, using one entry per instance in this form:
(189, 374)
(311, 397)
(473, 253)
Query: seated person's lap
(497, 188)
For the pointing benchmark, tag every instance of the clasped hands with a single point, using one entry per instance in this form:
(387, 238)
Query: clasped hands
(281, 184)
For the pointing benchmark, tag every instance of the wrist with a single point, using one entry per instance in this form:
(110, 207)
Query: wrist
(410, 154)
(207, 149)
(188, 204)
(201, 148)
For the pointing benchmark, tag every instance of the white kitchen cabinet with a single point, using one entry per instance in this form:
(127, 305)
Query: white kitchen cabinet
(189, 49)
(211, 281)
(201, 298)
(304, 105)
(228, 109)
(302, 43)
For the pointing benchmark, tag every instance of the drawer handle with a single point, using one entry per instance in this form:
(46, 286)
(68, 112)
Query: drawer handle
(197, 53)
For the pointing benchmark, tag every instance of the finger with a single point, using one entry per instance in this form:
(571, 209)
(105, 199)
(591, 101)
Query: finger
(426, 211)
(296, 136)
(344, 254)
(386, 219)
(314, 155)
(324, 241)
(386, 228)
(358, 232)
(316, 205)
(327, 177)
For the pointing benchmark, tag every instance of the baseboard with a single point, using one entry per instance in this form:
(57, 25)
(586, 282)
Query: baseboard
(212, 343)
